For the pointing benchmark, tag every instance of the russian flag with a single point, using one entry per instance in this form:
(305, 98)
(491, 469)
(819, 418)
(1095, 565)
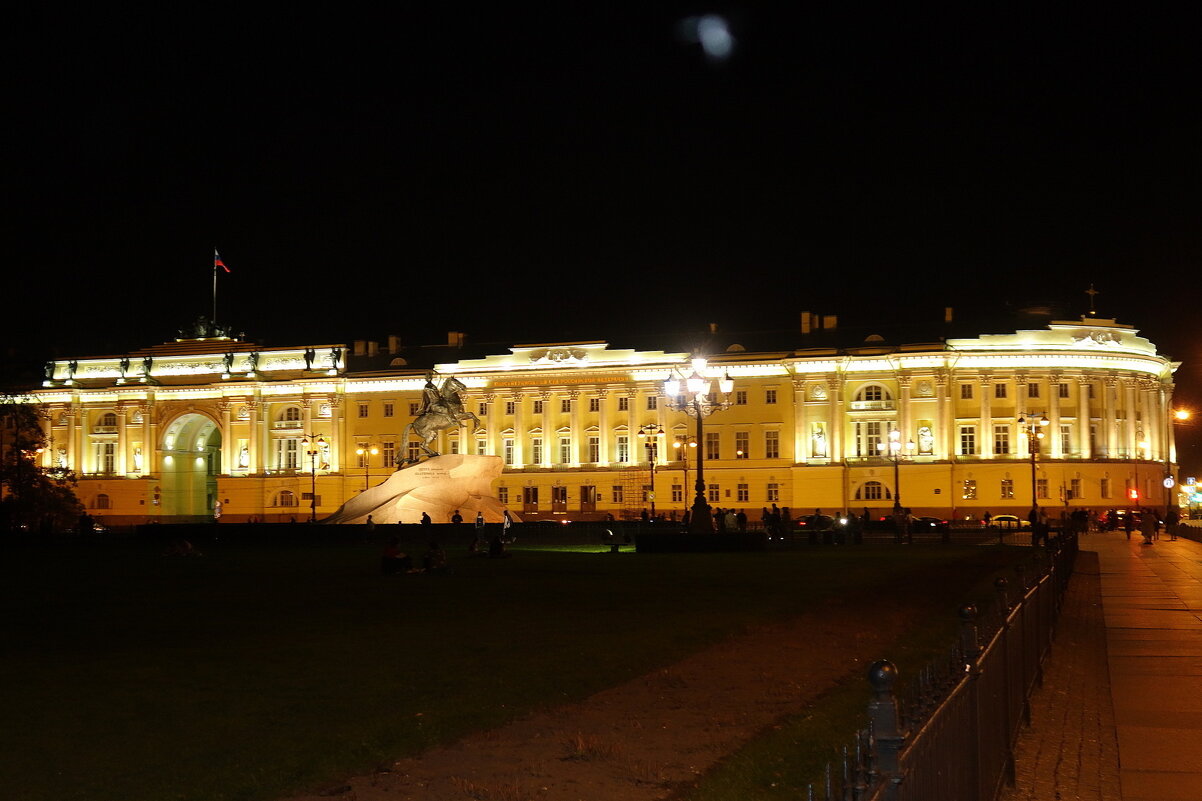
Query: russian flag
(217, 262)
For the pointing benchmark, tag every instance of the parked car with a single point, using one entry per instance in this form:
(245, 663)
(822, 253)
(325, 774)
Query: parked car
(928, 524)
(815, 522)
(1009, 521)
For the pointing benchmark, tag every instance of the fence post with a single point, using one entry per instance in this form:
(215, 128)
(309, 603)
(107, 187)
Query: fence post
(969, 642)
(888, 737)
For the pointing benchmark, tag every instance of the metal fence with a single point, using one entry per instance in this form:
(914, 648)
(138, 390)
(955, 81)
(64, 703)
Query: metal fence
(951, 736)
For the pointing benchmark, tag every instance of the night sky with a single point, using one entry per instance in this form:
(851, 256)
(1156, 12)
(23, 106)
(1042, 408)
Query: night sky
(570, 173)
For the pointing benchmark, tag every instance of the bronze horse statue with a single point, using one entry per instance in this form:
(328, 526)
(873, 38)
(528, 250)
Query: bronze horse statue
(443, 408)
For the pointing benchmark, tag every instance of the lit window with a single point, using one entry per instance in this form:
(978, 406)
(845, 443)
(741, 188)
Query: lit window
(966, 392)
(742, 445)
(970, 489)
(771, 444)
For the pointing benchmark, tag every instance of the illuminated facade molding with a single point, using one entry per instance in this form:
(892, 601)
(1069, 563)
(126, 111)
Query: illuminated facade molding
(804, 430)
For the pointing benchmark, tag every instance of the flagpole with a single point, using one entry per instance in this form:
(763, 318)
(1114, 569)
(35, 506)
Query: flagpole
(214, 320)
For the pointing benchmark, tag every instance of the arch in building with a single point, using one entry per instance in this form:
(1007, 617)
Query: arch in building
(189, 461)
(873, 491)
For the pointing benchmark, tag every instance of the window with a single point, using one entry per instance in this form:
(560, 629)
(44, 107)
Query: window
(538, 407)
(1041, 488)
(1066, 439)
(1091, 391)
(652, 402)
(287, 453)
(714, 493)
(771, 444)
(413, 450)
(646, 493)
(507, 446)
(594, 449)
(770, 396)
(868, 437)
(968, 440)
(510, 407)
(594, 404)
(623, 448)
(1032, 390)
(1001, 440)
(284, 498)
(503, 495)
(565, 450)
(454, 445)
(1007, 489)
(742, 445)
(106, 457)
(102, 502)
(970, 489)
(740, 397)
(414, 409)
(1062, 390)
(481, 447)
(712, 445)
(1104, 487)
(293, 413)
(389, 408)
(109, 419)
(482, 409)
(773, 492)
(565, 405)
(364, 456)
(677, 493)
(623, 404)
(742, 493)
(536, 450)
(363, 409)
(1074, 488)
(966, 392)
(388, 451)
(999, 390)
(871, 491)
(619, 495)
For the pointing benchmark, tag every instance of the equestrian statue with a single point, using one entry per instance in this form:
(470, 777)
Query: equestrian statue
(442, 408)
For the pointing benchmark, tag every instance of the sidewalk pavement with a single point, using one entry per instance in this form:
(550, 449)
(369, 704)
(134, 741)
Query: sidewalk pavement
(1122, 691)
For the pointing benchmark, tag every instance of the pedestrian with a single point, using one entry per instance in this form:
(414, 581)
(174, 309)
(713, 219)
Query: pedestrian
(505, 525)
(1172, 518)
(1147, 527)
(1129, 523)
(456, 519)
(426, 521)
(987, 519)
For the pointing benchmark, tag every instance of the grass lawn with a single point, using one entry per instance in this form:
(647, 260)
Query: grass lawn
(257, 670)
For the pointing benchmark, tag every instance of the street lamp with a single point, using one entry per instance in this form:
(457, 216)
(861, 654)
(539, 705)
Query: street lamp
(696, 399)
(365, 452)
(1034, 430)
(1177, 416)
(892, 450)
(683, 441)
(650, 434)
(313, 446)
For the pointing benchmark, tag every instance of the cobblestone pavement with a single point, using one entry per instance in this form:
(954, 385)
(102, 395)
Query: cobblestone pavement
(1070, 750)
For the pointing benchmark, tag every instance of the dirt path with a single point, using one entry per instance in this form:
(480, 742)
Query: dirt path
(643, 739)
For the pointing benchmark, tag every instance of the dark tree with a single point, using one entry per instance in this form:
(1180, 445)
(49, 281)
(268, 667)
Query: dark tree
(32, 498)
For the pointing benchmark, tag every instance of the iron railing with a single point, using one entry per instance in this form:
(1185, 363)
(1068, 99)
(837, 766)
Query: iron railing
(952, 734)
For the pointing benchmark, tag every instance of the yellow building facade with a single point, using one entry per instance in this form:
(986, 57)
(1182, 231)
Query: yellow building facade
(196, 427)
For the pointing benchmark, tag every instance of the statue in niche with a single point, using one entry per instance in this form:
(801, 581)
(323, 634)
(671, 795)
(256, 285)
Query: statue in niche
(147, 363)
(926, 439)
(60, 459)
(124, 364)
(244, 457)
(252, 363)
(310, 356)
(819, 440)
(227, 362)
(138, 459)
(324, 448)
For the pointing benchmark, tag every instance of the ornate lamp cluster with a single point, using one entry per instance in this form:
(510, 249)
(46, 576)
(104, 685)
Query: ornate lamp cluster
(695, 396)
(1034, 430)
(894, 451)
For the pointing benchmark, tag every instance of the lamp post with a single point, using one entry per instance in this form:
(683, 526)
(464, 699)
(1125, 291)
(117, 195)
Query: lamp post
(1176, 416)
(650, 435)
(365, 451)
(892, 450)
(682, 441)
(695, 399)
(1034, 430)
(312, 445)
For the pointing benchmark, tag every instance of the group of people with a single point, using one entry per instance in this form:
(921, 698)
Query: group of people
(394, 561)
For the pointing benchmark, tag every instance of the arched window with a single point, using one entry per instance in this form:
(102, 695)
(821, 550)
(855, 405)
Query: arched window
(285, 498)
(873, 392)
(872, 491)
(102, 502)
(291, 413)
(108, 419)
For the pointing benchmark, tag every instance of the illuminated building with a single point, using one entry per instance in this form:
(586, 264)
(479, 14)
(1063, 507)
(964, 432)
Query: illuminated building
(168, 431)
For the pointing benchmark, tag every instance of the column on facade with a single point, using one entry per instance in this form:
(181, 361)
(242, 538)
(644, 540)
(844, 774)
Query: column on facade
(548, 425)
(1154, 421)
(520, 432)
(1131, 432)
(801, 433)
(632, 428)
(228, 446)
(943, 414)
(603, 433)
(985, 440)
(150, 443)
(1109, 435)
(122, 442)
(338, 425)
(80, 460)
(1084, 417)
(1057, 444)
(904, 414)
(577, 430)
(661, 420)
(254, 436)
(1164, 397)
(493, 415)
(835, 416)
